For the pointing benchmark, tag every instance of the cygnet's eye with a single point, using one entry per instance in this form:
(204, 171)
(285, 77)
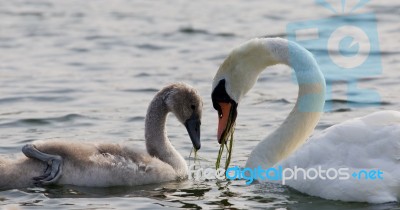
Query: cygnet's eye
(193, 107)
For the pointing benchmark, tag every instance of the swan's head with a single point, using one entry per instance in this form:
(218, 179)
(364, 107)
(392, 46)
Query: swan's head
(240, 70)
(186, 104)
(237, 75)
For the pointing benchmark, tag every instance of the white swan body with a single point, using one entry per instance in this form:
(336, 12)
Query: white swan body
(371, 142)
(102, 165)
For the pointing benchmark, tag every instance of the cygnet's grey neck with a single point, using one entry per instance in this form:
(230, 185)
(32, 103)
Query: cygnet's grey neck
(157, 142)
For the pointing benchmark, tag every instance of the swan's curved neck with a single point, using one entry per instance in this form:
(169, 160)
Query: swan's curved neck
(300, 123)
(157, 142)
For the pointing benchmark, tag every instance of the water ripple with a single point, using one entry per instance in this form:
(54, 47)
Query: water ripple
(191, 30)
(44, 121)
(35, 99)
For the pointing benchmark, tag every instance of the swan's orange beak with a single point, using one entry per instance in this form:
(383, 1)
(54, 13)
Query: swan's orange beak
(227, 118)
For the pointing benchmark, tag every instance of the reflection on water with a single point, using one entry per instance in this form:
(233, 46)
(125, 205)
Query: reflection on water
(86, 70)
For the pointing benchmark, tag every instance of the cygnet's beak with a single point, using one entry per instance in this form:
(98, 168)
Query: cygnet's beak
(193, 128)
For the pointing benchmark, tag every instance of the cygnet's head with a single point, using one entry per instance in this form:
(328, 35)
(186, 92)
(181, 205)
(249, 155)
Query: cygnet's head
(186, 104)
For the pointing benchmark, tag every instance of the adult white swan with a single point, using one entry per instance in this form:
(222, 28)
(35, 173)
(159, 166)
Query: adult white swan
(101, 165)
(370, 143)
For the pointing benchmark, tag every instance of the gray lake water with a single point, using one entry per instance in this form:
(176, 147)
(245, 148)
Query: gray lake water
(86, 70)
